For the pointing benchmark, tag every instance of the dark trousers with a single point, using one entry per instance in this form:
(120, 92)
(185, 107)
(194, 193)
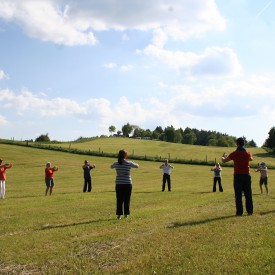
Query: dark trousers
(219, 180)
(87, 183)
(123, 197)
(242, 184)
(166, 178)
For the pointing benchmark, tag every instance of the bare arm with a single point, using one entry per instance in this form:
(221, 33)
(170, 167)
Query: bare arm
(225, 158)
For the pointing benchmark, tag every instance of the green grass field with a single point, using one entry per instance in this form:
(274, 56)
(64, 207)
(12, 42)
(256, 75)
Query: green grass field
(190, 230)
(160, 149)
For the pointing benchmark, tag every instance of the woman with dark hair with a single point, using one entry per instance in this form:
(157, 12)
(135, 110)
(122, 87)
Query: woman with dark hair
(123, 183)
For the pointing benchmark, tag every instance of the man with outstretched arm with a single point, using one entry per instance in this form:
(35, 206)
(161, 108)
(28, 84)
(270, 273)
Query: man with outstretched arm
(242, 178)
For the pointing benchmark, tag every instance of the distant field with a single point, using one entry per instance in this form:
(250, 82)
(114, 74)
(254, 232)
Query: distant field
(190, 230)
(164, 150)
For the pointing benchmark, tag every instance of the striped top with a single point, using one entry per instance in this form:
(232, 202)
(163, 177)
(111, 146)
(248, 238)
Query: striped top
(123, 175)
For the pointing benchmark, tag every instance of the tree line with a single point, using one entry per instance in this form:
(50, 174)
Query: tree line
(186, 136)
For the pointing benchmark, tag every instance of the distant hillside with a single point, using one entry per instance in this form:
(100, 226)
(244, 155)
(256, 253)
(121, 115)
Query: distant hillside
(150, 150)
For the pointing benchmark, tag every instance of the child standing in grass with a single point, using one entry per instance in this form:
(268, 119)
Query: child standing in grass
(3, 169)
(123, 183)
(49, 177)
(217, 177)
(263, 178)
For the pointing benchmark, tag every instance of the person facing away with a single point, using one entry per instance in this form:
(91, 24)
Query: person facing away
(242, 178)
(3, 168)
(49, 177)
(263, 177)
(87, 167)
(123, 183)
(217, 177)
(166, 167)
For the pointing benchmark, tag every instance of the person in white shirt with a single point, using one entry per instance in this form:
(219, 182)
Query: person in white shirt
(166, 167)
(263, 178)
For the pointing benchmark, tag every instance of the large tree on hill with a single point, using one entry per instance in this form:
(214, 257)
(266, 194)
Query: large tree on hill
(127, 129)
(43, 138)
(112, 129)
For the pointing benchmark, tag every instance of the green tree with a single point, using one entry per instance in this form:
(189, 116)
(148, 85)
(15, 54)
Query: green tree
(43, 138)
(252, 143)
(127, 129)
(169, 134)
(270, 141)
(188, 136)
(112, 129)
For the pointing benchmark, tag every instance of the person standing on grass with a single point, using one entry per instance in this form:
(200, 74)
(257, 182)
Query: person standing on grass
(49, 177)
(87, 167)
(263, 178)
(242, 178)
(166, 167)
(123, 183)
(217, 177)
(3, 168)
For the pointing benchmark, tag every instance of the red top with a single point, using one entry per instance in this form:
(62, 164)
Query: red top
(3, 173)
(49, 173)
(241, 159)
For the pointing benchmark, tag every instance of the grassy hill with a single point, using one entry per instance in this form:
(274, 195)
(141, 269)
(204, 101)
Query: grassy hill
(160, 150)
(190, 230)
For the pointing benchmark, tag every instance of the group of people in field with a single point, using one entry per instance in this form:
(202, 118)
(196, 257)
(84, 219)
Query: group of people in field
(242, 178)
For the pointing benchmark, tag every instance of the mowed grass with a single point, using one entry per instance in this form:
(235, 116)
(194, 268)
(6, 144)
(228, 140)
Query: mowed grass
(162, 150)
(187, 231)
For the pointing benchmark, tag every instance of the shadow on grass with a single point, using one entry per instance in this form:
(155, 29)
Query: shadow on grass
(52, 226)
(267, 212)
(145, 192)
(204, 192)
(264, 155)
(178, 224)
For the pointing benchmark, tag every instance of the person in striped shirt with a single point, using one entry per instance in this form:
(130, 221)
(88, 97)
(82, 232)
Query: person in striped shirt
(123, 183)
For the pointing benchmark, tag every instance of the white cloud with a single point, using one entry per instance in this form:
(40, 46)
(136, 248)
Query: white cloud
(202, 99)
(3, 120)
(3, 75)
(73, 22)
(126, 68)
(213, 62)
(110, 65)
(46, 21)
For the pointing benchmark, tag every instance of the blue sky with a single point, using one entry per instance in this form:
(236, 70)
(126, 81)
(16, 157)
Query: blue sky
(73, 68)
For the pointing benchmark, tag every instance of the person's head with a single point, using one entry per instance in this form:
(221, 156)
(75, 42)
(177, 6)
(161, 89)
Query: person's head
(262, 163)
(48, 164)
(218, 165)
(86, 162)
(122, 155)
(166, 161)
(240, 141)
(1, 160)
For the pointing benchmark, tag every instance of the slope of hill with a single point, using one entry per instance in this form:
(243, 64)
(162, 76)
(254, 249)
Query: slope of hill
(175, 232)
(162, 150)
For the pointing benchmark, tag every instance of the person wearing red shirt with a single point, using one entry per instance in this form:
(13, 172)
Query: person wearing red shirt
(242, 178)
(3, 169)
(49, 177)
